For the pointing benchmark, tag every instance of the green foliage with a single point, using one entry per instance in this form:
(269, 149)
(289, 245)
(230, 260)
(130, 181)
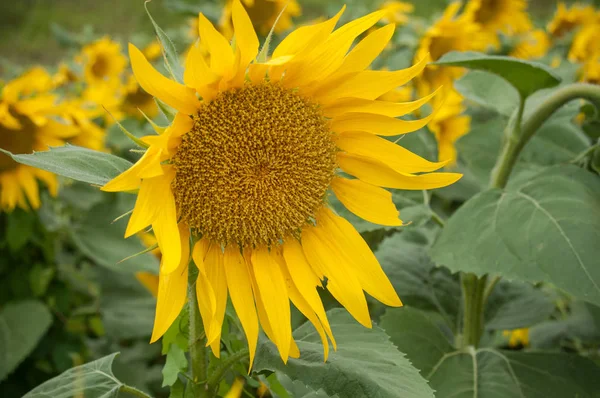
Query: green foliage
(555, 213)
(526, 77)
(366, 363)
(484, 372)
(80, 164)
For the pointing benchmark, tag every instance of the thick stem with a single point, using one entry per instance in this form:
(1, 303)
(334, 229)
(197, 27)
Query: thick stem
(133, 391)
(219, 372)
(196, 338)
(522, 133)
(473, 290)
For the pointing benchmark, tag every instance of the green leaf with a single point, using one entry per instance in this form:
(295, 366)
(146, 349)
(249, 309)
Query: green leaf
(22, 325)
(92, 380)
(172, 61)
(514, 305)
(40, 277)
(176, 362)
(488, 90)
(486, 372)
(74, 162)
(542, 229)
(297, 389)
(19, 229)
(366, 364)
(102, 240)
(581, 323)
(525, 76)
(405, 259)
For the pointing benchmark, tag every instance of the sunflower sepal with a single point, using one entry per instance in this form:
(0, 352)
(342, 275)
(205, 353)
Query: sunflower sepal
(166, 110)
(128, 134)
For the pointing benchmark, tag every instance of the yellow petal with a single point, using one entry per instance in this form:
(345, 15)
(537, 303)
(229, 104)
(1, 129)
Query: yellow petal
(245, 37)
(321, 250)
(205, 294)
(216, 277)
(221, 54)
(394, 156)
(274, 294)
(149, 281)
(146, 208)
(49, 179)
(368, 84)
(377, 173)
(148, 166)
(393, 109)
(367, 201)
(365, 52)
(377, 124)
(197, 74)
(306, 281)
(240, 291)
(172, 289)
(365, 265)
(171, 93)
(302, 305)
(29, 185)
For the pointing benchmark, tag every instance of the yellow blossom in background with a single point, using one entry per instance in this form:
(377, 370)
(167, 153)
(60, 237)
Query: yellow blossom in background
(396, 12)
(236, 389)
(565, 20)
(507, 16)
(64, 75)
(532, 45)
(149, 281)
(102, 60)
(449, 33)
(136, 100)
(263, 14)
(449, 124)
(585, 44)
(90, 135)
(26, 125)
(246, 171)
(153, 50)
(106, 100)
(590, 71)
(402, 94)
(517, 337)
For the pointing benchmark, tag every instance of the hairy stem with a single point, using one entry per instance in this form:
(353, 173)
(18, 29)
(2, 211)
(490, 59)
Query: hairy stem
(197, 347)
(219, 372)
(133, 391)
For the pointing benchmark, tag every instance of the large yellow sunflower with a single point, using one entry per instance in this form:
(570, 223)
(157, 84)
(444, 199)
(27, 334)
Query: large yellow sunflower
(449, 33)
(102, 60)
(26, 126)
(246, 167)
(566, 19)
(263, 14)
(507, 16)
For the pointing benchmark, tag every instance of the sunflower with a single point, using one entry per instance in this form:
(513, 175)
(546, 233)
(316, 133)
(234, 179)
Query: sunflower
(102, 60)
(263, 14)
(585, 44)
(565, 20)
(449, 124)
(136, 100)
(507, 16)
(449, 33)
(396, 11)
(245, 169)
(590, 71)
(517, 337)
(532, 45)
(26, 125)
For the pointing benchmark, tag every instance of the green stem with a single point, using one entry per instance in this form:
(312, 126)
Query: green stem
(490, 288)
(522, 133)
(133, 391)
(473, 290)
(196, 337)
(219, 372)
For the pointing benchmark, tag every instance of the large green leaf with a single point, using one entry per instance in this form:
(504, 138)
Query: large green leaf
(486, 372)
(545, 229)
(98, 237)
(366, 364)
(525, 76)
(92, 380)
(78, 163)
(22, 325)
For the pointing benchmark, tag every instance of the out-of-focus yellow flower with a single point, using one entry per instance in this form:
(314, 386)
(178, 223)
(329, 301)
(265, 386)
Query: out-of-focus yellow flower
(79, 114)
(565, 20)
(263, 14)
(107, 96)
(153, 50)
(102, 60)
(590, 72)
(449, 33)
(27, 124)
(448, 125)
(402, 94)
(532, 45)
(64, 75)
(517, 337)
(396, 11)
(149, 281)
(236, 388)
(262, 390)
(507, 16)
(136, 100)
(585, 44)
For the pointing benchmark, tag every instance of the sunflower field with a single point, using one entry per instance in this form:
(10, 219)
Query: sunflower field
(299, 199)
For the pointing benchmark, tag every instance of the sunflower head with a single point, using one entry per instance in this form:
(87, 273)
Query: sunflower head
(449, 124)
(263, 14)
(566, 19)
(532, 45)
(585, 44)
(247, 166)
(136, 100)
(517, 337)
(102, 60)
(507, 16)
(396, 11)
